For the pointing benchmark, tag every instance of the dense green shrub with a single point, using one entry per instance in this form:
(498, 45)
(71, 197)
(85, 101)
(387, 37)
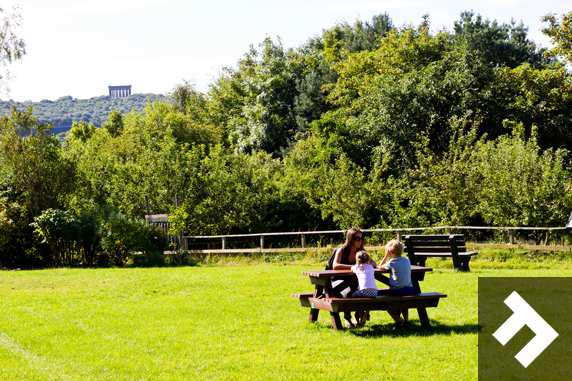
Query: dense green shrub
(61, 230)
(122, 237)
(90, 239)
(19, 247)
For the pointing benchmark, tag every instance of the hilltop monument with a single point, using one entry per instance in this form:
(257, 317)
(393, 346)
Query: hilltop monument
(119, 91)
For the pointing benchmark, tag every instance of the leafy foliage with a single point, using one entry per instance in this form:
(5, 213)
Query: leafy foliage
(41, 176)
(122, 236)
(560, 33)
(61, 230)
(523, 186)
(504, 44)
(269, 101)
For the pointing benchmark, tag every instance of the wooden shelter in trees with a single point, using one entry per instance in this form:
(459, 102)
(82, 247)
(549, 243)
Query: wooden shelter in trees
(162, 221)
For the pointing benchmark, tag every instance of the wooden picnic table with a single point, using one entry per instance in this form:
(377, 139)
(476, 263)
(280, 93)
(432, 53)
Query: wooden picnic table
(324, 297)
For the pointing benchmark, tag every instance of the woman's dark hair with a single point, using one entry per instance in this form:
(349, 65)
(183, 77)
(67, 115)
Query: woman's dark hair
(350, 238)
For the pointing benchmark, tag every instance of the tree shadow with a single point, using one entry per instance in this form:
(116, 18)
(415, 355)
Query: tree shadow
(436, 329)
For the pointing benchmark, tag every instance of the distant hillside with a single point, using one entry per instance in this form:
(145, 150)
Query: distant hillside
(65, 110)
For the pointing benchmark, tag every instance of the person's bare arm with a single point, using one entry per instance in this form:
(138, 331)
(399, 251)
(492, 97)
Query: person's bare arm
(338, 262)
(372, 263)
(385, 257)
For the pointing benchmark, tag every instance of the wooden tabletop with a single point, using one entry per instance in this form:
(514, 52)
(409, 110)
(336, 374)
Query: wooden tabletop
(341, 273)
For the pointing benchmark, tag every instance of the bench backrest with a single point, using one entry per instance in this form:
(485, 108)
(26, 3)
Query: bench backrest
(435, 243)
(162, 221)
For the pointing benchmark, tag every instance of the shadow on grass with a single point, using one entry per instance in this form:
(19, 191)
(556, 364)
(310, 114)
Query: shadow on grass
(377, 330)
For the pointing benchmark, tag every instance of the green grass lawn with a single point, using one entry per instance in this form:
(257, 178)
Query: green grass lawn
(223, 322)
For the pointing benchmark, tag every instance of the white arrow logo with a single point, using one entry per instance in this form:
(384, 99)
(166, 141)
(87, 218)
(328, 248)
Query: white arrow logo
(523, 315)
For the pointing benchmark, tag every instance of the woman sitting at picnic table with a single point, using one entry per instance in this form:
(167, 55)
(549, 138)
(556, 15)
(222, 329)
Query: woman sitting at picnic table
(344, 260)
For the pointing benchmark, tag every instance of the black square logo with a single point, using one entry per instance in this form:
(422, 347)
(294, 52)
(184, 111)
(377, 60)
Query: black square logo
(525, 328)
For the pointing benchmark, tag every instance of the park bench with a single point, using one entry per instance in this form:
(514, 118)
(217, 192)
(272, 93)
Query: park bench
(420, 247)
(321, 298)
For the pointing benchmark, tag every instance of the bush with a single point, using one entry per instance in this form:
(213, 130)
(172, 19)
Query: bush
(90, 239)
(121, 237)
(61, 230)
(19, 247)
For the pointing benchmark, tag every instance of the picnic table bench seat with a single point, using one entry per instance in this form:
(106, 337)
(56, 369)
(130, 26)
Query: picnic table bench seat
(420, 247)
(381, 302)
(304, 296)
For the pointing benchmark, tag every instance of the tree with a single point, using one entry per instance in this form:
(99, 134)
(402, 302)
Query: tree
(377, 90)
(522, 185)
(266, 121)
(12, 47)
(187, 100)
(417, 82)
(504, 44)
(560, 33)
(82, 130)
(344, 39)
(270, 100)
(154, 155)
(543, 98)
(115, 124)
(31, 155)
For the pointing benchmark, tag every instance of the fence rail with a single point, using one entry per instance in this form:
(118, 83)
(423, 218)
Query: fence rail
(398, 232)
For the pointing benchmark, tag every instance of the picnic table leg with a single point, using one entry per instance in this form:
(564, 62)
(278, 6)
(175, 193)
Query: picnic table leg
(336, 321)
(422, 312)
(313, 315)
(319, 290)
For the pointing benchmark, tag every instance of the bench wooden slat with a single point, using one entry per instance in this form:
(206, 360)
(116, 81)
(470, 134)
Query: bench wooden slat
(433, 249)
(434, 254)
(438, 243)
(385, 302)
(306, 295)
(424, 295)
(437, 237)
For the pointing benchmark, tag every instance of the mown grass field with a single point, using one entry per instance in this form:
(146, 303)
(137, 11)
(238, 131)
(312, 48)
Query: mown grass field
(224, 322)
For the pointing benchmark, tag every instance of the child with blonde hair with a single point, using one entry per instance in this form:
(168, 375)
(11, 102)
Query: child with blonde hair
(366, 278)
(399, 279)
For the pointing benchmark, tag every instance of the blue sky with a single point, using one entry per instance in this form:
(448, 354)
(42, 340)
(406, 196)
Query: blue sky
(79, 47)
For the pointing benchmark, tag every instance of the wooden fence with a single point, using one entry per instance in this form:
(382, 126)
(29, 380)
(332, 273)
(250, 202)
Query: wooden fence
(181, 242)
(398, 234)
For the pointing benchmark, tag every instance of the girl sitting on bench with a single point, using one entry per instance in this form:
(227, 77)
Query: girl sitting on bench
(367, 286)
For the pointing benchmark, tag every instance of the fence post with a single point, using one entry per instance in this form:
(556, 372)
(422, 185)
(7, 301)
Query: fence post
(223, 243)
(303, 241)
(399, 235)
(261, 242)
(182, 240)
(449, 231)
(148, 205)
(511, 237)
